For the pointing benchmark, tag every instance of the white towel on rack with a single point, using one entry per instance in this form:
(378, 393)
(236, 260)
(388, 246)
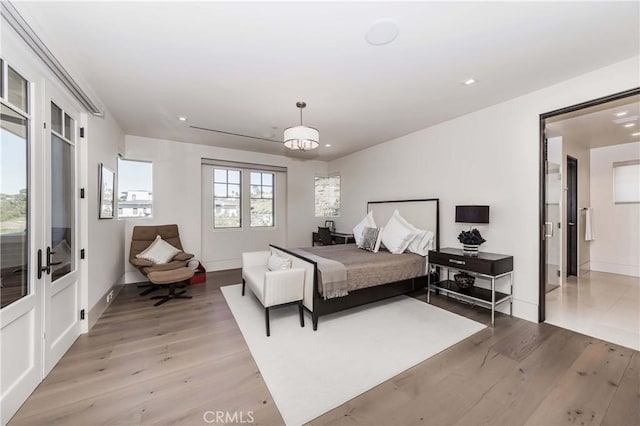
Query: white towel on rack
(588, 235)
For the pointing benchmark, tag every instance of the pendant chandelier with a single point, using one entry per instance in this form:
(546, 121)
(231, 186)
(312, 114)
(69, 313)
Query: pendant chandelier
(301, 138)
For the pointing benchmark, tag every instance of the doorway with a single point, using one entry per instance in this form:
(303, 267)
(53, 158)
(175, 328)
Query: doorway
(39, 267)
(572, 216)
(600, 272)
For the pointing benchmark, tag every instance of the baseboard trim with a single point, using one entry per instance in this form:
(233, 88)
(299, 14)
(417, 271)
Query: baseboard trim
(132, 277)
(98, 309)
(613, 268)
(222, 265)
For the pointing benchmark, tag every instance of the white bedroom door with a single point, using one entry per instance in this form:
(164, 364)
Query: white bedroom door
(20, 234)
(39, 277)
(62, 281)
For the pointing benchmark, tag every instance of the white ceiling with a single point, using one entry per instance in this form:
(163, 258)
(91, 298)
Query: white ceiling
(599, 125)
(241, 67)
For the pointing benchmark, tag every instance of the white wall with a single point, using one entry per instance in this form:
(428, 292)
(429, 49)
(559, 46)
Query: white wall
(616, 227)
(486, 157)
(177, 191)
(105, 258)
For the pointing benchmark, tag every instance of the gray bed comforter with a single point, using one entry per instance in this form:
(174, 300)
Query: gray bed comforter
(344, 267)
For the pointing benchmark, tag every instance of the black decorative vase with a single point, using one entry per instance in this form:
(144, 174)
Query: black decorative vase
(464, 281)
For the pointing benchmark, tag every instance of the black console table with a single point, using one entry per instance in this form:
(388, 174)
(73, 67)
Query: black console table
(337, 237)
(486, 265)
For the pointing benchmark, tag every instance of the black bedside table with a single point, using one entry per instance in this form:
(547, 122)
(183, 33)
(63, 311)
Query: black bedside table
(486, 265)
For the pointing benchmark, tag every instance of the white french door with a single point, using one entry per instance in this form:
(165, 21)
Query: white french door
(61, 279)
(39, 267)
(21, 294)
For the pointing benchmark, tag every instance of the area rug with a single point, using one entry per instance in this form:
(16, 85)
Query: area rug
(309, 373)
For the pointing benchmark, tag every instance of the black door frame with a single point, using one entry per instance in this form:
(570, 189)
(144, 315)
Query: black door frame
(572, 216)
(542, 266)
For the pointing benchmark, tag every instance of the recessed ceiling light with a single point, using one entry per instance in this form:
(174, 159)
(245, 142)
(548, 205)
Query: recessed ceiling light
(469, 81)
(629, 124)
(621, 113)
(328, 145)
(381, 32)
(635, 134)
(623, 120)
(182, 118)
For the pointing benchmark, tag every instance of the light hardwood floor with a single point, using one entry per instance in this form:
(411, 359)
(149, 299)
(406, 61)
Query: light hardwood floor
(170, 364)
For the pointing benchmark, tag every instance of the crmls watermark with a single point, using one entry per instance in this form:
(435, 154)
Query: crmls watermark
(226, 417)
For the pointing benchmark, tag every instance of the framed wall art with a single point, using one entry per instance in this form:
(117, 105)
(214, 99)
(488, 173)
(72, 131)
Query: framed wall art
(107, 188)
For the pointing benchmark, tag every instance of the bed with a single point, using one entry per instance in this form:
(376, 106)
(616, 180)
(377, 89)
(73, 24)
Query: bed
(371, 276)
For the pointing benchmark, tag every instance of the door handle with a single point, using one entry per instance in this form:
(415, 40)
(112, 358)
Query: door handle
(571, 224)
(548, 226)
(46, 268)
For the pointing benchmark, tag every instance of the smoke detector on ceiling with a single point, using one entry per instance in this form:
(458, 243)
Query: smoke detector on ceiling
(381, 32)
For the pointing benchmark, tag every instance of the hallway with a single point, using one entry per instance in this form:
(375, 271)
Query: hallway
(598, 304)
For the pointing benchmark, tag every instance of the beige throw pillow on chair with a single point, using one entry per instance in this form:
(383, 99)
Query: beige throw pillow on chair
(159, 252)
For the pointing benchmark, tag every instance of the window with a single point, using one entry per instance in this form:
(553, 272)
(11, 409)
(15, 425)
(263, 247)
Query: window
(626, 182)
(18, 93)
(261, 199)
(135, 188)
(327, 189)
(226, 198)
(14, 186)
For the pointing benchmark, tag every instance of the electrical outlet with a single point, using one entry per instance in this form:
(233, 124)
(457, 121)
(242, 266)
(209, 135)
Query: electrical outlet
(110, 296)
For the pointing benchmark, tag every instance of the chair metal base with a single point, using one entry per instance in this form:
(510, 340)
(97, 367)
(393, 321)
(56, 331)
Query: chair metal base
(172, 295)
(150, 288)
(153, 287)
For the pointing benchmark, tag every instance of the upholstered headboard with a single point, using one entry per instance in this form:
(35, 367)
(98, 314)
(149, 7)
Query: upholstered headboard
(423, 214)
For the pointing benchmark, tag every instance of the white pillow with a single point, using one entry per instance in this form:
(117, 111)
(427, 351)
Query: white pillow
(278, 263)
(422, 243)
(397, 235)
(367, 222)
(159, 252)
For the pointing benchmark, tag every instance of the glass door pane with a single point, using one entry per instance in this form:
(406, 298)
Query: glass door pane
(14, 231)
(553, 212)
(62, 201)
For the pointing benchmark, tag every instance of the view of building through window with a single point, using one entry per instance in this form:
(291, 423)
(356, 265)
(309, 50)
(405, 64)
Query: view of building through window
(135, 188)
(226, 198)
(231, 195)
(327, 196)
(261, 199)
(14, 186)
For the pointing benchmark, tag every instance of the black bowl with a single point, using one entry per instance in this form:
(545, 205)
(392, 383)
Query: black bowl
(464, 281)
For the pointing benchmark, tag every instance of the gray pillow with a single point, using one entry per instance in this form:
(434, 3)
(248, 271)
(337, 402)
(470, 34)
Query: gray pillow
(371, 238)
